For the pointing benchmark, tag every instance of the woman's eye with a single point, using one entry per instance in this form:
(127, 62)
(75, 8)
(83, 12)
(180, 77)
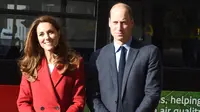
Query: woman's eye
(51, 32)
(41, 34)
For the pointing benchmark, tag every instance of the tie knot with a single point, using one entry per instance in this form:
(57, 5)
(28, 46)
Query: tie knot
(123, 49)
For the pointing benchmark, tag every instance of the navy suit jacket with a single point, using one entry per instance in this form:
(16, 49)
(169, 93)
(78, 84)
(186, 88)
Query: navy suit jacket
(142, 80)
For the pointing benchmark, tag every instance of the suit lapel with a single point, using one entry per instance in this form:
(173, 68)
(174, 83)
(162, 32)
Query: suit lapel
(45, 79)
(112, 61)
(131, 58)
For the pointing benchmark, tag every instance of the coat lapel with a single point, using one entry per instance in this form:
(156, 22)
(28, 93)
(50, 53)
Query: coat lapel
(45, 79)
(112, 61)
(56, 77)
(131, 58)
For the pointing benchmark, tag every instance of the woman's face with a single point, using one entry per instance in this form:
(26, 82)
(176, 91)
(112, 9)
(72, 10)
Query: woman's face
(47, 36)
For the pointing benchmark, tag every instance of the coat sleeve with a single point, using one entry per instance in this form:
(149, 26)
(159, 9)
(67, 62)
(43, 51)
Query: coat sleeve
(78, 92)
(25, 101)
(92, 86)
(153, 85)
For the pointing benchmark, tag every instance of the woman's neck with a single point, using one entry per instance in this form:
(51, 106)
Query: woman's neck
(49, 57)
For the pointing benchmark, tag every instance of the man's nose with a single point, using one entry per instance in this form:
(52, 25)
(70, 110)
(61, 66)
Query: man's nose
(119, 26)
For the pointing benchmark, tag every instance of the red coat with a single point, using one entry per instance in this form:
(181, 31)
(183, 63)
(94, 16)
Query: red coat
(53, 92)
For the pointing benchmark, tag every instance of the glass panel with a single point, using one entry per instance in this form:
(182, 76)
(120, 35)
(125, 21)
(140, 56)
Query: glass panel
(81, 33)
(13, 33)
(14, 28)
(80, 7)
(179, 34)
(39, 5)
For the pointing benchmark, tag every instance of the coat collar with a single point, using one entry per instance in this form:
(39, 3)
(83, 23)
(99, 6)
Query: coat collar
(49, 81)
(55, 76)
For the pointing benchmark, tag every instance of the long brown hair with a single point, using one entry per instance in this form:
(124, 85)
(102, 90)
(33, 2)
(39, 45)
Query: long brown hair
(65, 58)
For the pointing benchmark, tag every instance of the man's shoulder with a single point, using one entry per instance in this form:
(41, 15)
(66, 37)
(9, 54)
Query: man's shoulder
(149, 46)
(105, 48)
(103, 52)
(142, 46)
(149, 49)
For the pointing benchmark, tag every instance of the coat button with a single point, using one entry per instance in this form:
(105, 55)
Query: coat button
(42, 108)
(57, 108)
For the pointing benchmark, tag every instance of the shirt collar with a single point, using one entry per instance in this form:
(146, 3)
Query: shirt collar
(126, 45)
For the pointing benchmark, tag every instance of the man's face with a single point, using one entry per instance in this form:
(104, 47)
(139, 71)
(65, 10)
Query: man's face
(120, 24)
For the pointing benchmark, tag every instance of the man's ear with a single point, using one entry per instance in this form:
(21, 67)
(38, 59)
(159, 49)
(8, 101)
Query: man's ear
(133, 23)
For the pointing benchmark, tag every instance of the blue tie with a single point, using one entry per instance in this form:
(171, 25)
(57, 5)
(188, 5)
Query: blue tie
(122, 63)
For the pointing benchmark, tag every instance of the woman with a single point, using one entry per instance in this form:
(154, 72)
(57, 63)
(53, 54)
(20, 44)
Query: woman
(53, 75)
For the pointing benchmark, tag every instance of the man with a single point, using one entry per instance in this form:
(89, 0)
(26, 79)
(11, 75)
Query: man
(113, 86)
